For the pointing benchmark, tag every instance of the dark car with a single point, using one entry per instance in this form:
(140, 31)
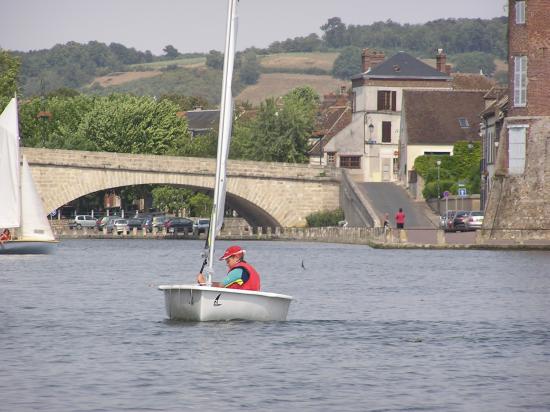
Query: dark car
(459, 221)
(179, 225)
(135, 222)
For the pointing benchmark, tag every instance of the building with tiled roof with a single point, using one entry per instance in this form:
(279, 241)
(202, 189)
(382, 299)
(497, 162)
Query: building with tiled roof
(433, 121)
(369, 145)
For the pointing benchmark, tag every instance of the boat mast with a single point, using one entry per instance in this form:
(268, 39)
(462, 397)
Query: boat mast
(224, 135)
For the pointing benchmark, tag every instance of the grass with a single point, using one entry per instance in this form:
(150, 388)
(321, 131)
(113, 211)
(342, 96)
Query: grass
(184, 62)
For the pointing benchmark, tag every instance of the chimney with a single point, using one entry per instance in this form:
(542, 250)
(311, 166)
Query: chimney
(371, 58)
(440, 61)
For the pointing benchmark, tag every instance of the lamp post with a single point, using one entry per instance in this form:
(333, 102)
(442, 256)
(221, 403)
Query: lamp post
(438, 190)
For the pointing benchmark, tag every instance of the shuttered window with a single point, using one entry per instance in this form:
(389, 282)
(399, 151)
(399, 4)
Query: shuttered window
(520, 81)
(386, 132)
(520, 12)
(387, 100)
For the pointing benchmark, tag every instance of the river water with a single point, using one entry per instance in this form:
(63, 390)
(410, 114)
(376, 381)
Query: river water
(85, 329)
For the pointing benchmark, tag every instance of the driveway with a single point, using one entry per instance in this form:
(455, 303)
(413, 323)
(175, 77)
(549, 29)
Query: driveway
(389, 197)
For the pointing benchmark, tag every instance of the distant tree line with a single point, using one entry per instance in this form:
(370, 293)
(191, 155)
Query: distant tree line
(74, 65)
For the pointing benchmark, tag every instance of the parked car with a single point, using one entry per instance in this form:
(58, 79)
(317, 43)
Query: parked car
(159, 221)
(81, 221)
(117, 225)
(446, 220)
(148, 223)
(475, 220)
(101, 223)
(459, 221)
(201, 226)
(179, 225)
(135, 222)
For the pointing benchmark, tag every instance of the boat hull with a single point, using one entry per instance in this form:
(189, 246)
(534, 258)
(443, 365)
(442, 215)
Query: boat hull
(28, 247)
(201, 303)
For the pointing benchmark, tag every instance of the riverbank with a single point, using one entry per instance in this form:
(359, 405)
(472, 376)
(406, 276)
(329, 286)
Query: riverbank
(373, 237)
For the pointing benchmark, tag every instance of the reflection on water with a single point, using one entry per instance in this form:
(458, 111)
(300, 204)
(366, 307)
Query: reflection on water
(85, 329)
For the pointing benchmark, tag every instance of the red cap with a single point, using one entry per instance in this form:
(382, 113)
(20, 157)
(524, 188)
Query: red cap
(232, 251)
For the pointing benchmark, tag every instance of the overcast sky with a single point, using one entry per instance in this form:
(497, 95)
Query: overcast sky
(199, 25)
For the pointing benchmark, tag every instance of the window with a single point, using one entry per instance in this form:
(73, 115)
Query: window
(387, 100)
(350, 162)
(516, 149)
(520, 12)
(331, 158)
(520, 81)
(386, 132)
(463, 122)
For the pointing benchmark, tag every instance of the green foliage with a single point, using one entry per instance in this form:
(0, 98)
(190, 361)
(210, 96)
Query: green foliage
(214, 60)
(206, 83)
(186, 103)
(280, 131)
(347, 63)
(9, 71)
(335, 32)
(316, 71)
(171, 199)
(473, 62)
(462, 167)
(325, 218)
(116, 123)
(171, 52)
(309, 43)
(132, 124)
(200, 205)
(249, 72)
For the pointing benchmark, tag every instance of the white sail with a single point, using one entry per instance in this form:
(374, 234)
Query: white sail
(10, 199)
(224, 134)
(34, 222)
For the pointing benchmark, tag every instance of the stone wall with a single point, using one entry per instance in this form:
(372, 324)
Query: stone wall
(519, 206)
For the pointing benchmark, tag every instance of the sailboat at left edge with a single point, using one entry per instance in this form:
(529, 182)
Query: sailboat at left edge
(21, 208)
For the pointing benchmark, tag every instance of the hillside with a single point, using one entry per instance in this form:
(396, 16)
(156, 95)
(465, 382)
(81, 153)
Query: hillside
(278, 84)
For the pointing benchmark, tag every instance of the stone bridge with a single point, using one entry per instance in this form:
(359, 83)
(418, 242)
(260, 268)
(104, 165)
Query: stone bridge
(265, 194)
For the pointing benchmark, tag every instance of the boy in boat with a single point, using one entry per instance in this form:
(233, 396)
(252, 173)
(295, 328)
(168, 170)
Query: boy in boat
(241, 275)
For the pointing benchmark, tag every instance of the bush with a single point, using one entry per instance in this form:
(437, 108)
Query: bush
(325, 218)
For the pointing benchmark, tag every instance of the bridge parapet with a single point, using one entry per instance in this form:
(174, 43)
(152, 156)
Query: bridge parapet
(270, 194)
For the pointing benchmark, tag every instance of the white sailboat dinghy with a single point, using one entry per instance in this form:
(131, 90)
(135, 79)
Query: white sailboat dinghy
(21, 208)
(208, 303)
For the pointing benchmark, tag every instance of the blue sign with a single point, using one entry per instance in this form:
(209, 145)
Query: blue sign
(446, 194)
(462, 192)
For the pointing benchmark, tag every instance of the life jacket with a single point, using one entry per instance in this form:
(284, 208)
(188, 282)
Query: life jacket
(253, 282)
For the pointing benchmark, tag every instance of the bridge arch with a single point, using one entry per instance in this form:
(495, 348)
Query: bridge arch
(266, 194)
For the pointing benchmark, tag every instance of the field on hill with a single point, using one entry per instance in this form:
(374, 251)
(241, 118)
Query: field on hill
(184, 62)
(114, 79)
(299, 61)
(278, 84)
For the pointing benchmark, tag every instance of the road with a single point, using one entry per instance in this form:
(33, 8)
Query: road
(389, 197)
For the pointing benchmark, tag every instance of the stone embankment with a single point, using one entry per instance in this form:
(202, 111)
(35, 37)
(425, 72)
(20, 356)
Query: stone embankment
(374, 237)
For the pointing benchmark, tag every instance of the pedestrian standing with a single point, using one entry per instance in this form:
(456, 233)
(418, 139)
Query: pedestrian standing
(400, 219)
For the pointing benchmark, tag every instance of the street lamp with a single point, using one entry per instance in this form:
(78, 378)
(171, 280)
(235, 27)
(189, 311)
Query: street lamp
(438, 190)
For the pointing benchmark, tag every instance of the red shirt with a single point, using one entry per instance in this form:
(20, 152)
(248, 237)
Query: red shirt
(400, 217)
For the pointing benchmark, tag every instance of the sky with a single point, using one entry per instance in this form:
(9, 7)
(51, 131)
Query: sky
(199, 25)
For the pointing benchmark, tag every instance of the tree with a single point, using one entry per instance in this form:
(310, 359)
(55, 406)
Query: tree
(280, 131)
(9, 71)
(250, 69)
(200, 205)
(335, 32)
(214, 60)
(171, 52)
(347, 63)
(474, 62)
(170, 199)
